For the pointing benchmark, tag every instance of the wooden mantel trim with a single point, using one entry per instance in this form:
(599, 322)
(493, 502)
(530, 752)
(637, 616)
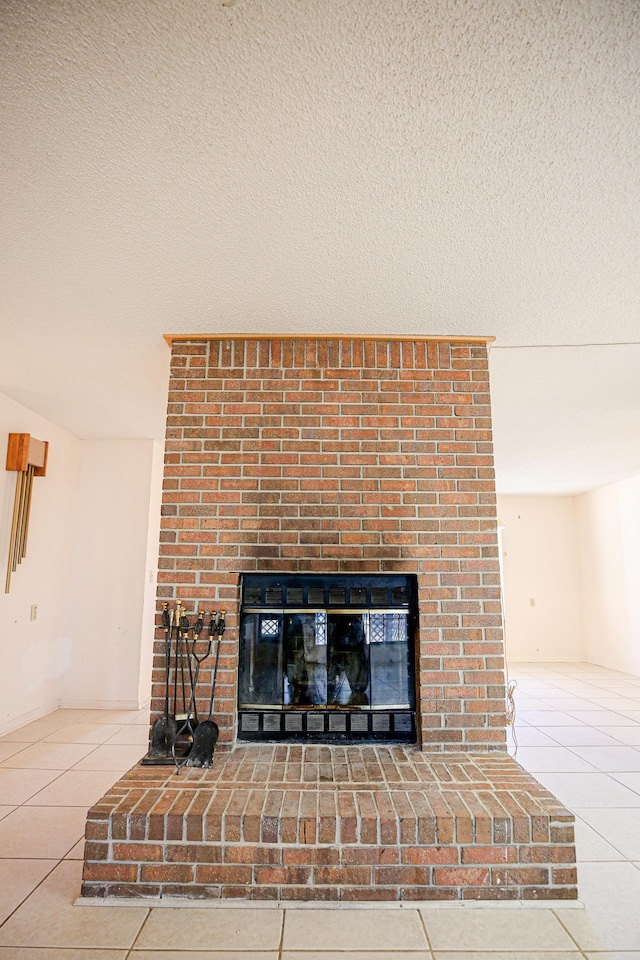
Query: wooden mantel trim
(172, 338)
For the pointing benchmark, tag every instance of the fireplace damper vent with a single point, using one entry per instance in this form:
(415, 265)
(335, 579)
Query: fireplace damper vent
(327, 658)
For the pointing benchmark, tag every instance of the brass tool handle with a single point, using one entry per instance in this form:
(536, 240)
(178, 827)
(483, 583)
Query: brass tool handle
(14, 529)
(21, 490)
(27, 513)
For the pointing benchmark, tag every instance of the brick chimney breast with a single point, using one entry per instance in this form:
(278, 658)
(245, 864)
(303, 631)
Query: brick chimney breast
(341, 456)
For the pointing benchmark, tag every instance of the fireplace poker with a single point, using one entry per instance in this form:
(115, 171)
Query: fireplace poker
(186, 627)
(180, 624)
(206, 735)
(175, 671)
(163, 732)
(183, 725)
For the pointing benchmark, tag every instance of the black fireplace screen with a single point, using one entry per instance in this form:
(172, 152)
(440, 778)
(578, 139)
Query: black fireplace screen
(327, 658)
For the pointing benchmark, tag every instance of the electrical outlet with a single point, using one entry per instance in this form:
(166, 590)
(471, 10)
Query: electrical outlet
(532, 601)
(34, 611)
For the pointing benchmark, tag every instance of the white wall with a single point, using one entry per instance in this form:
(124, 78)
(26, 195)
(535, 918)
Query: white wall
(90, 568)
(540, 563)
(112, 575)
(149, 606)
(33, 652)
(609, 543)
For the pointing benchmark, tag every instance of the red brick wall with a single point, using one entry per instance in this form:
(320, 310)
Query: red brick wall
(341, 456)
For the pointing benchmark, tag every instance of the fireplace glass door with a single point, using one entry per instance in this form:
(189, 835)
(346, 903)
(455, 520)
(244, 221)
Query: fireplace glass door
(325, 663)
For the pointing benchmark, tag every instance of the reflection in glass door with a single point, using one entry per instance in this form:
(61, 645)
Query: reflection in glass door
(389, 659)
(348, 660)
(305, 657)
(261, 655)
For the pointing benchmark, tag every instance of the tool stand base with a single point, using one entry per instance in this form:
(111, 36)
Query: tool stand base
(165, 759)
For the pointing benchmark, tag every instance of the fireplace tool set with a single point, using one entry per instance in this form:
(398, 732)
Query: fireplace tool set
(179, 736)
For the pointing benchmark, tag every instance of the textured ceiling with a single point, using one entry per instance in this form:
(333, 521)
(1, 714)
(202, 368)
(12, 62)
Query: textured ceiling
(327, 166)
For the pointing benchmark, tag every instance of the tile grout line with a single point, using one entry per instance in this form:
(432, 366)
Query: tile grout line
(597, 832)
(281, 944)
(32, 743)
(28, 743)
(25, 803)
(141, 928)
(426, 933)
(31, 892)
(607, 774)
(583, 953)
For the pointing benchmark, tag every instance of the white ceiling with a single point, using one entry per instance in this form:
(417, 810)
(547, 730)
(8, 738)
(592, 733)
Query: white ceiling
(328, 166)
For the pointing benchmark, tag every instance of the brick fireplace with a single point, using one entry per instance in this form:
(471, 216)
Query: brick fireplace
(344, 458)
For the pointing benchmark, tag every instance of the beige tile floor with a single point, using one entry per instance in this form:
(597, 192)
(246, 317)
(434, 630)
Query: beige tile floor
(578, 731)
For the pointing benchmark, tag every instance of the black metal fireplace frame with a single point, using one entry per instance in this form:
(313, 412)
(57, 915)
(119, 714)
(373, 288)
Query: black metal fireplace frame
(335, 595)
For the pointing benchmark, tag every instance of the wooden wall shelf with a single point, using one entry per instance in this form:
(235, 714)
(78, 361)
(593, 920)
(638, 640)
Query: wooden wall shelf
(24, 450)
(172, 338)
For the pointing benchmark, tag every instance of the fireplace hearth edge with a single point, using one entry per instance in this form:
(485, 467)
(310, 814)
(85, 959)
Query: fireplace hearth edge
(336, 823)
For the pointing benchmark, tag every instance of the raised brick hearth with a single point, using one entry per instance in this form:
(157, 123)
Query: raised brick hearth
(337, 456)
(333, 823)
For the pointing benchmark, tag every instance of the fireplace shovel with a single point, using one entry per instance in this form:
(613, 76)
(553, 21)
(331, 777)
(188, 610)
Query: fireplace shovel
(163, 732)
(206, 733)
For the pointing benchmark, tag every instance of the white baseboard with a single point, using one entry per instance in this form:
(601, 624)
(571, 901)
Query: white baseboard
(8, 726)
(545, 659)
(102, 705)
(406, 906)
(611, 666)
(14, 723)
